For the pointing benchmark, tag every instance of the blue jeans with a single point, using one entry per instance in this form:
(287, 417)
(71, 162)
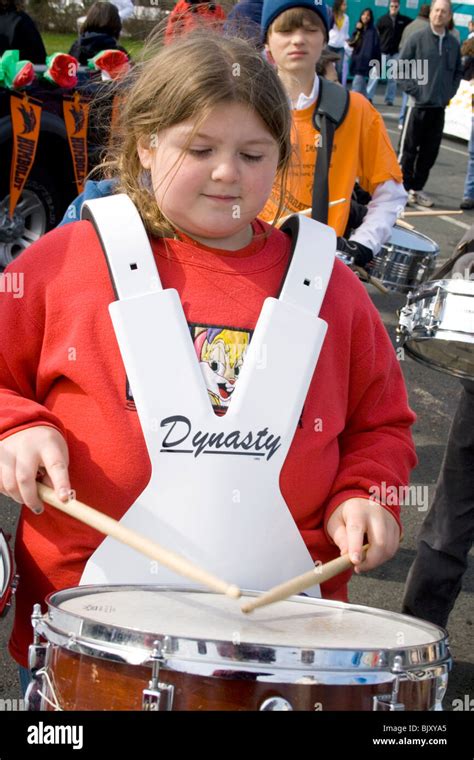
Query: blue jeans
(372, 85)
(391, 91)
(403, 108)
(25, 678)
(359, 84)
(469, 184)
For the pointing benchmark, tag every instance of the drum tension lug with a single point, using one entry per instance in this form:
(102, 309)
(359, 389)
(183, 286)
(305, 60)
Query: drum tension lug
(389, 702)
(37, 657)
(37, 651)
(159, 695)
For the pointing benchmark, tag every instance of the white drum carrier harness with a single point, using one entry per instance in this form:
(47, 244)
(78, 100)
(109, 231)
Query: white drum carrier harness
(214, 492)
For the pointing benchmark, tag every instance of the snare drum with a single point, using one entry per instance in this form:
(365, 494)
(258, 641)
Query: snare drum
(408, 259)
(8, 580)
(164, 648)
(436, 327)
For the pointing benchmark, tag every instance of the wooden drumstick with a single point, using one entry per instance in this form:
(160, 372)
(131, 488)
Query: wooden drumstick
(296, 585)
(405, 225)
(431, 212)
(110, 527)
(366, 277)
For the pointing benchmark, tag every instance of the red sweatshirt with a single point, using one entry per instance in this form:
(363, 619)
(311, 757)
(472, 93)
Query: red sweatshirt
(60, 365)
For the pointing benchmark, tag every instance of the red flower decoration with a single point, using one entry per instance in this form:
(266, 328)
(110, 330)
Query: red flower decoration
(62, 70)
(25, 76)
(115, 63)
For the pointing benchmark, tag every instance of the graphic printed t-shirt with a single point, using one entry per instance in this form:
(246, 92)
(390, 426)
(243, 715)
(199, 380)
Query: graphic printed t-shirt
(361, 151)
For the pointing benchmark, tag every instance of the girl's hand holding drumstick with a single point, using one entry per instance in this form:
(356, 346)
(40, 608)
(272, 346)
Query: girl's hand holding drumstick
(22, 455)
(347, 526)
(43, 448)
(356, 518)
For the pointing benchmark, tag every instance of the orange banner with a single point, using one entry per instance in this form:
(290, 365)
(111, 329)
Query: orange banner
(26, 121)
(76, 118)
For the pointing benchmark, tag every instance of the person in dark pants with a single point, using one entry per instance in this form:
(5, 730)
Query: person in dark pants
(19, 32)
(446, 536)
(419, 23)
(365, 46)
(432, 72)
(390, 27)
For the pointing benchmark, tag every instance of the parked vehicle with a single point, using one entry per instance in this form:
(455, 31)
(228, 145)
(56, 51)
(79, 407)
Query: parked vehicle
(51, 184)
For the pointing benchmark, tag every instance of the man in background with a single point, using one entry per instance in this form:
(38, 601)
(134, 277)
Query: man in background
(390, 27)
(417, 25)
(439, 54)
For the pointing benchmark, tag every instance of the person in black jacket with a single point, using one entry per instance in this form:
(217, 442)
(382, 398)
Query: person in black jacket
(100, 31)
(430, 75)
(390, 27)
(18, 31)
(365, 46)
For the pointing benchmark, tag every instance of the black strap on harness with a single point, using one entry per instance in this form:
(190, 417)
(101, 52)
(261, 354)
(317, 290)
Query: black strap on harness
(329, 113)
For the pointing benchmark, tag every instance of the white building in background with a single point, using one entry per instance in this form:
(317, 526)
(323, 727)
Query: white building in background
(127, 8)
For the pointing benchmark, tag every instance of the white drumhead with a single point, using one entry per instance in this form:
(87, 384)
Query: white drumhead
(412, 240)
(298, 622)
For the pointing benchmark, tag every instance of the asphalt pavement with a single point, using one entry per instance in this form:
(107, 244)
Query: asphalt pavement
(433, 396)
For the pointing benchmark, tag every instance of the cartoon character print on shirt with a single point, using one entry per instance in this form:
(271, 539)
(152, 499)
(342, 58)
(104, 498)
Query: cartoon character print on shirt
(221, 352)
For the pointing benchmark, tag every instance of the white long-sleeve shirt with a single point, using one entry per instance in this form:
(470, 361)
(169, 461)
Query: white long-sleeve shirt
(337, 37)
(387, 203)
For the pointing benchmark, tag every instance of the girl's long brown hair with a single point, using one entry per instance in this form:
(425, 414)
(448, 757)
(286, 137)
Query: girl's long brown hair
(187, 80)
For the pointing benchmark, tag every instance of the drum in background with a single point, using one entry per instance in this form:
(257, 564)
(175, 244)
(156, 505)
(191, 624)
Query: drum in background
(8, 580)
(406, 260)
(436, 327)
(163, 648)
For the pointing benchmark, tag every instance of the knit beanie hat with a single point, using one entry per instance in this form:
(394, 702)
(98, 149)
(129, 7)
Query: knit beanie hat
(273, 8)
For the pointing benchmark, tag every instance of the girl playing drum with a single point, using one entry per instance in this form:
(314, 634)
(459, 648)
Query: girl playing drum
(204, 130)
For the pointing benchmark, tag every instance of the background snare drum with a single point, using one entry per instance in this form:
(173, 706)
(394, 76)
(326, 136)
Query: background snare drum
(152, 647)
(8, 580)
(406, 260)
(436, 327)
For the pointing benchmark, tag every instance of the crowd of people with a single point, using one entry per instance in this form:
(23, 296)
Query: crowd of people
(233, 139)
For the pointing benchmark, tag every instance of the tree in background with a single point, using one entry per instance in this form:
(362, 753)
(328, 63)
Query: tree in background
(48, 15)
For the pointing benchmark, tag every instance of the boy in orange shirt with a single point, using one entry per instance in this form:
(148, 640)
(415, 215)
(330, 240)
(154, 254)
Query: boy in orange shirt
(295, 32)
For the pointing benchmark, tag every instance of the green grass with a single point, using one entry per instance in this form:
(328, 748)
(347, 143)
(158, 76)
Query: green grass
(61, 43)
(57, 43)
